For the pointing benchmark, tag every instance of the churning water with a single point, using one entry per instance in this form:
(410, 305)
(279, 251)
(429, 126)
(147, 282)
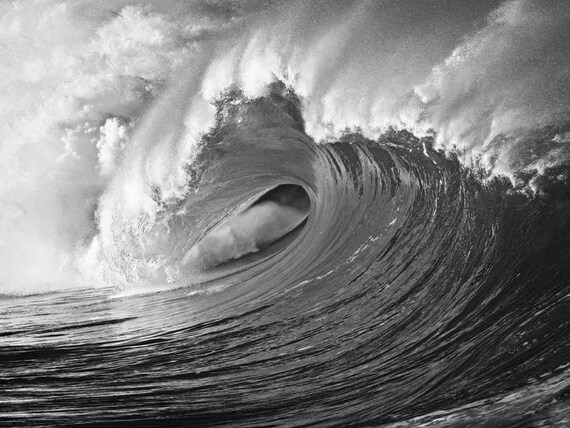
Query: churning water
(285, 213)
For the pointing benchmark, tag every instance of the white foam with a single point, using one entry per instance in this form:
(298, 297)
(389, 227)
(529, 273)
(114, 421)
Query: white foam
(71, 85)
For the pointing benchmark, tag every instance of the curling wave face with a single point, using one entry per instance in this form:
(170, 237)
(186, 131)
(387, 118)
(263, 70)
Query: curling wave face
(412, 287)
(82, 149)
(309, 273)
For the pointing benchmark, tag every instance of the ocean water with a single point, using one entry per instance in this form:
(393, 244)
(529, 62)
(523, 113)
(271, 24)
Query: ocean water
(252, 213)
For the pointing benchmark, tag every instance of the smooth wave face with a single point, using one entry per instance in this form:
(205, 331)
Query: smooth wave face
(217, 214)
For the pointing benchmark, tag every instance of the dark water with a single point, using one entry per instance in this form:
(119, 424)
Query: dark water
(417, 293)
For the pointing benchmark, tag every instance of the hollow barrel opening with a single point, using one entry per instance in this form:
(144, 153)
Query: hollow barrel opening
(266, 227)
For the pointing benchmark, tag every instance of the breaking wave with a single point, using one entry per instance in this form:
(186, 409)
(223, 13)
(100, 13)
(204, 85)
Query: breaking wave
(342, 216)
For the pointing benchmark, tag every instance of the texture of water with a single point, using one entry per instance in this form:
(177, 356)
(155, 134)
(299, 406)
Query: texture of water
(409, 265)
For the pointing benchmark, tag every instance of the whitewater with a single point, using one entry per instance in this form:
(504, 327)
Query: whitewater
(260, 213)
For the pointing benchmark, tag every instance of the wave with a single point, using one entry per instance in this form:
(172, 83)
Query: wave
(261, 213)
(82, 127)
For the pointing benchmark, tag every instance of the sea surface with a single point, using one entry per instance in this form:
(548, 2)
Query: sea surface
(266, 214)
